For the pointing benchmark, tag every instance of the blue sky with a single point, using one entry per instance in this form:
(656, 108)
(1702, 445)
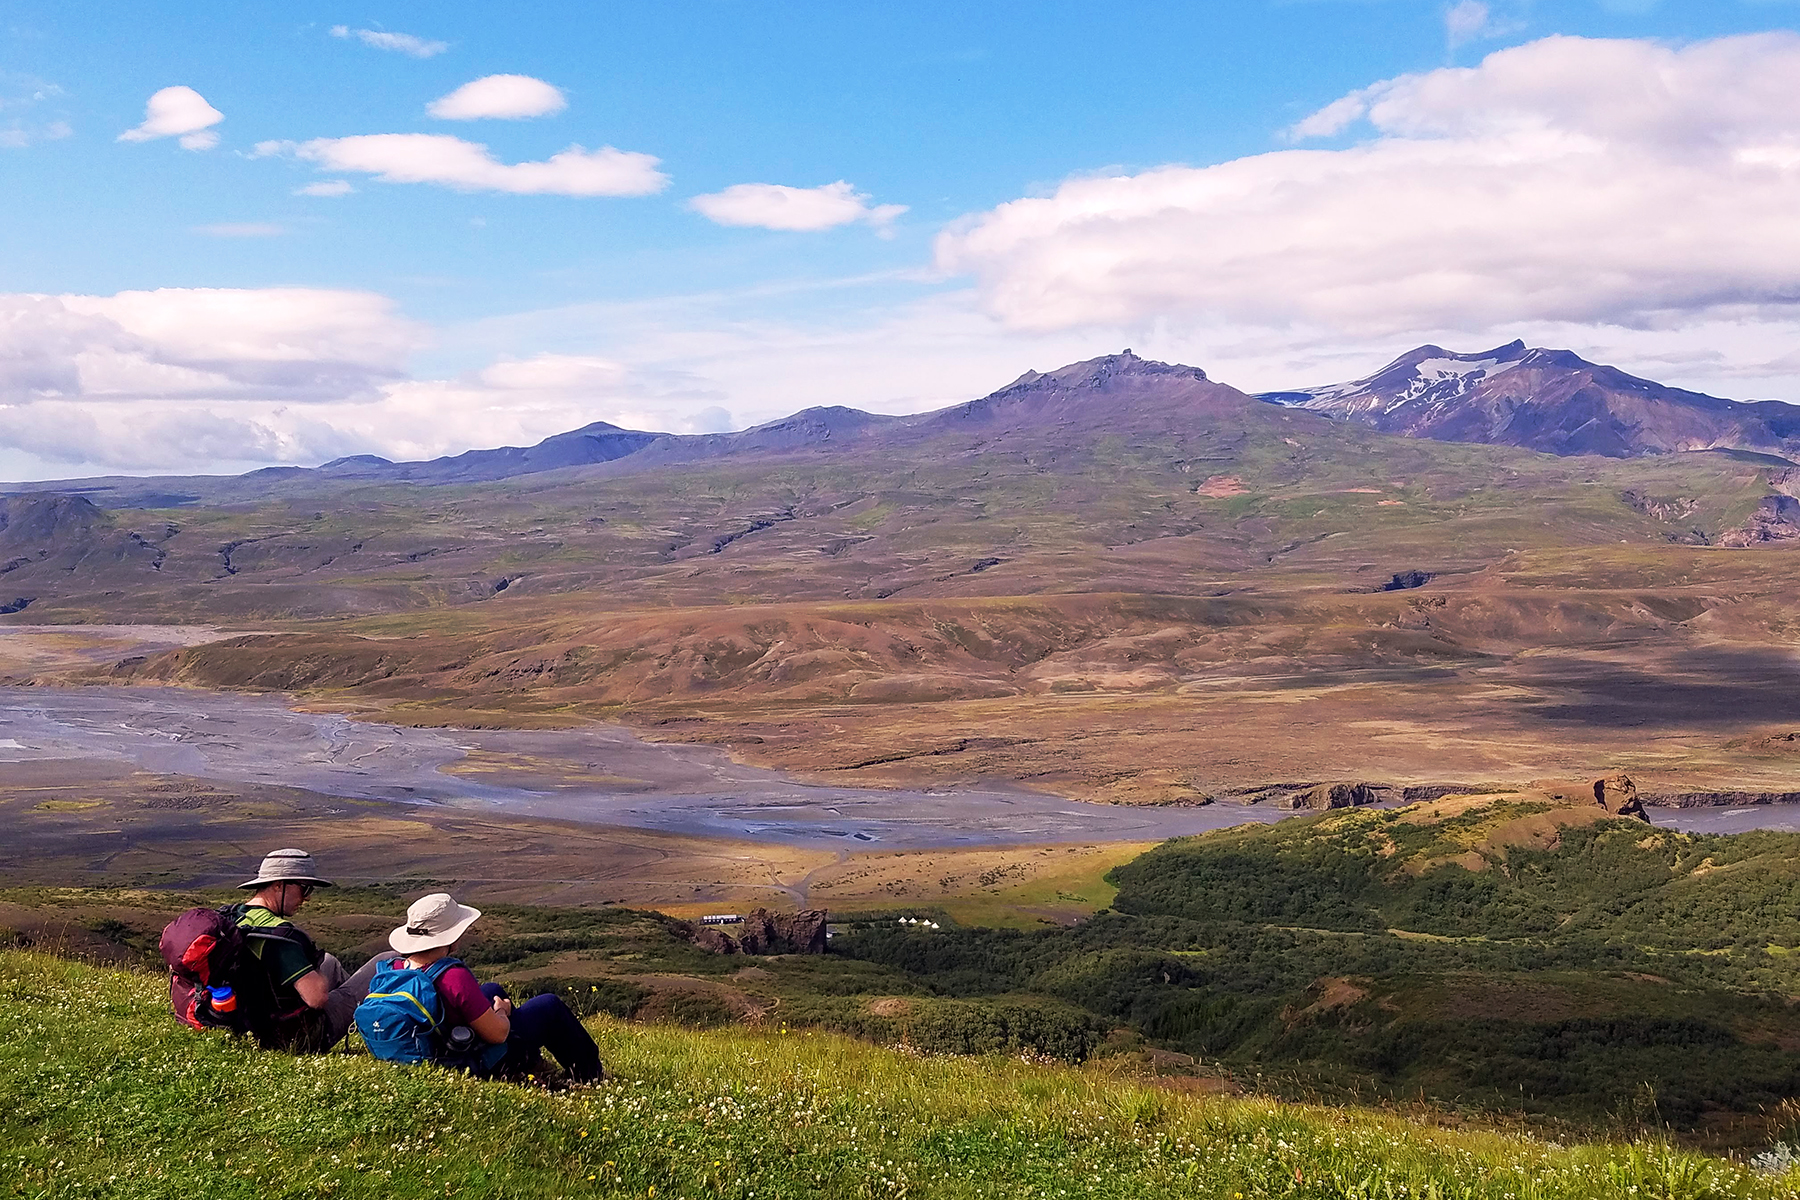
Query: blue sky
(424, 317)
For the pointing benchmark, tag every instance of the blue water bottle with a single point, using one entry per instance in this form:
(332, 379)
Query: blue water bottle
(224, 1000)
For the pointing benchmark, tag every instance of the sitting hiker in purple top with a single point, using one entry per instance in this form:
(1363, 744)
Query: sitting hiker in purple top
(434, 923)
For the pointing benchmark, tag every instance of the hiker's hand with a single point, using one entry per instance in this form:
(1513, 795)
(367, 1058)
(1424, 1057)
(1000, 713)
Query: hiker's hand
(503, 1006)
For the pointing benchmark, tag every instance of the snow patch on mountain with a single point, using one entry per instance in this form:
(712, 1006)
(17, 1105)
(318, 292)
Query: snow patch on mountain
(1449, 378)
(1437, 377)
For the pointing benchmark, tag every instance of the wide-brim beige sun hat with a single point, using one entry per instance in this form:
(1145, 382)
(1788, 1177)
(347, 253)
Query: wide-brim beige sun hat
(432, 921)
(286, 866)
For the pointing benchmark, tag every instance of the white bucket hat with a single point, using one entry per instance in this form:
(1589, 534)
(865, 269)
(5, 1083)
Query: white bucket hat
(432, 921)
(286, 866)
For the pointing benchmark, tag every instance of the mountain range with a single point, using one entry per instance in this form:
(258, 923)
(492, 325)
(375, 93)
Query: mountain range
(1115, 473)
(1155, 399)
(1551, 401)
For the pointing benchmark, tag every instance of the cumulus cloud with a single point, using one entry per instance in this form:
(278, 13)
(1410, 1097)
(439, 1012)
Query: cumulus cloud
(1331, 120)
(215, 344)
(471, 167)
(773, 206)
(520, 401)
(512, 402)
(210, 379)
(127, 437)
(506, 97)
(178, 112)
(1568, 179)
(399, 43)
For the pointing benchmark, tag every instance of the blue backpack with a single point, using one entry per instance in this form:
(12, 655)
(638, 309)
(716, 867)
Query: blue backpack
(402, 1019)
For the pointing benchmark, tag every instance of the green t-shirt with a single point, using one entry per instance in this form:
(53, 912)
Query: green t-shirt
(284, 961)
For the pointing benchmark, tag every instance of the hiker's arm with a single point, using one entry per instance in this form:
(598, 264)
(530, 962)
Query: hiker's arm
(313, 989)
(493, 1025)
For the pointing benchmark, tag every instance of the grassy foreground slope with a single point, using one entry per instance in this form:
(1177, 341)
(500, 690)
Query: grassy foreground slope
(101, 1093)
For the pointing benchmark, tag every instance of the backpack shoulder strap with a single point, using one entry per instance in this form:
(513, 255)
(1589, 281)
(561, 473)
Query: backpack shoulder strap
(284, 932)
(436, 970)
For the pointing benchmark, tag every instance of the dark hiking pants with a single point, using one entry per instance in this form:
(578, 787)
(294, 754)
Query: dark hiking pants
(545, 1023)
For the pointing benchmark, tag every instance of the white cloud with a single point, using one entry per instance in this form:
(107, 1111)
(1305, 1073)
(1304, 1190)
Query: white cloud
(400, 43)
(179, 112)
(211, 379)
(197, 380)
(521, 401)
(1331, 120)
(108, 437)
(326, 187)
(1569, 179)
(469, 166)
(1467, 21)
(192, 378)
(773, 206)
(510, 403)
(215, 344)
(242, 229)
(507, 97)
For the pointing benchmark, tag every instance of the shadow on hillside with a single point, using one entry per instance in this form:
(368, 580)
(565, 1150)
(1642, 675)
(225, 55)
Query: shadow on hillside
(1719, 686)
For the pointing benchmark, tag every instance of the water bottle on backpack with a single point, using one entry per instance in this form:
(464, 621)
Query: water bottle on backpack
(462, 1049)
(201, 948)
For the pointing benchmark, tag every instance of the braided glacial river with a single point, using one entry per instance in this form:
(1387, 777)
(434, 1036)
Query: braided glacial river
(698, 790)
(605, 775)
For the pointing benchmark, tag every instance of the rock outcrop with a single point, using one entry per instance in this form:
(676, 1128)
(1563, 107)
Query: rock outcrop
(1415, 792)
(1618, 795)
(764, 932)
(1336, 795)
(1776, 519)
(1718, 799)
(1404, 580)
(1322, 796)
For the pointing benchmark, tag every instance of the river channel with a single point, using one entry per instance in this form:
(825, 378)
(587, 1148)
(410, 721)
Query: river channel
(604, 775)
(248, 739)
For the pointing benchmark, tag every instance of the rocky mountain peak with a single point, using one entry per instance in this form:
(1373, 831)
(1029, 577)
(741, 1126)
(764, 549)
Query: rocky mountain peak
(1098, 372)
(1549, 400)
(1118, 390)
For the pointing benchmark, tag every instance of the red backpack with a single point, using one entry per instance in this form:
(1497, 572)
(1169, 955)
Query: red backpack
(206, 948)
(201, 948)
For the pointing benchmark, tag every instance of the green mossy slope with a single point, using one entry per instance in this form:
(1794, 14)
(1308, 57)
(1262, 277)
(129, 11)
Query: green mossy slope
(1505, 954)
(103, 1094)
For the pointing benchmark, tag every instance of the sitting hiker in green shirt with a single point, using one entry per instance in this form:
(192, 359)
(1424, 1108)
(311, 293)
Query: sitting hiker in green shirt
(309, 996)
